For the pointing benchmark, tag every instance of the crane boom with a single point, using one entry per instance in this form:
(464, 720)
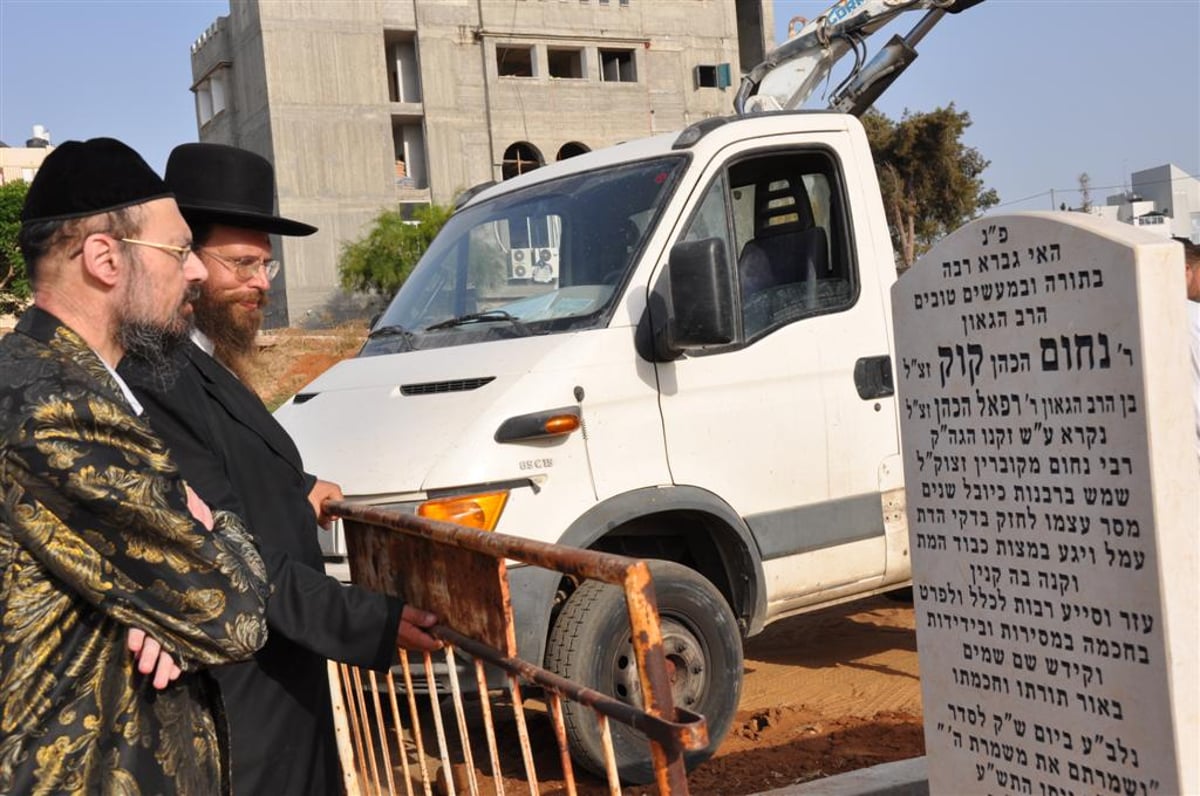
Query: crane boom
(791, 73)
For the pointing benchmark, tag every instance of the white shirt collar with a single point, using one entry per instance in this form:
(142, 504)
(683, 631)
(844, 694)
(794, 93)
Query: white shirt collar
(134, 404)
(205, 344)
(203, 341)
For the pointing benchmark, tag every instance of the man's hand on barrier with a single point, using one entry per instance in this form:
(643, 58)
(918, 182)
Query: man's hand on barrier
(411, 634)
(322, 491)
(151, 657)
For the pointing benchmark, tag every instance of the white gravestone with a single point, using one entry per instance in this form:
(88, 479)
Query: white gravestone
(1053, 507)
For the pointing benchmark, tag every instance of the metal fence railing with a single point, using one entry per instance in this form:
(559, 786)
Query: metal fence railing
(461, 575)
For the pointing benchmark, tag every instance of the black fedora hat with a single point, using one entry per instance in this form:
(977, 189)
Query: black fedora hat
(227, 185)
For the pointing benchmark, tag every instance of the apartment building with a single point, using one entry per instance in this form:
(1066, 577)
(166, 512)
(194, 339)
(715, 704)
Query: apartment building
(22, 163)
(1164, 200)
(369, 104)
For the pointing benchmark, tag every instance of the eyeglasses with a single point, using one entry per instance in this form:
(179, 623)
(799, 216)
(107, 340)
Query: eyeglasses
(180, 252)
(246, 268)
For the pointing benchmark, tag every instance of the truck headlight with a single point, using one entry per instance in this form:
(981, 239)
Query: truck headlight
(480, 511)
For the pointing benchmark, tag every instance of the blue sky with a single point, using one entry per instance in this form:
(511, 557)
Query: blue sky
(1054, 87)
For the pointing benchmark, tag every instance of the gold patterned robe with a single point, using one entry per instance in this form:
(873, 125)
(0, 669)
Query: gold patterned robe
(96, 538)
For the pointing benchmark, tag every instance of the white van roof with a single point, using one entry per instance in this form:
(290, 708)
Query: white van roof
(720, 133)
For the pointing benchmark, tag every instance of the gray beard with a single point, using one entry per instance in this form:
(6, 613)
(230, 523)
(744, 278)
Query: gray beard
(150, 348)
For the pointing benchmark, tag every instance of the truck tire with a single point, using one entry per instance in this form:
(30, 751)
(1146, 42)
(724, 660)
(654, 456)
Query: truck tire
(591, 644)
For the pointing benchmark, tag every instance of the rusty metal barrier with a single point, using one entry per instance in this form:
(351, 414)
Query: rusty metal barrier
(461, 575)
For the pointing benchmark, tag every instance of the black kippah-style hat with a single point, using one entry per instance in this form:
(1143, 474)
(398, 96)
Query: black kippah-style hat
(85, 178)
(227, 185)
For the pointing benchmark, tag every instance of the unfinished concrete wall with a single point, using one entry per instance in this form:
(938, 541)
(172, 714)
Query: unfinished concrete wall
(309, 87)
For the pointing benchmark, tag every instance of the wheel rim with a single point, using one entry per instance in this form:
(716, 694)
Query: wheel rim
(687, 668)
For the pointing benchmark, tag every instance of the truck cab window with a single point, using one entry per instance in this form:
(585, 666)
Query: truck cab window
(792, 258)
(710, 219)
(549, 258)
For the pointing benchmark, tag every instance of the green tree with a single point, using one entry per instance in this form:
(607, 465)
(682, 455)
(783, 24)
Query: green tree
(380, 261)
(14, 281)
(930, 180)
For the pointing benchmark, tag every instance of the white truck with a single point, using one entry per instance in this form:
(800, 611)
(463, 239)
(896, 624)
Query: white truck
(679, 349)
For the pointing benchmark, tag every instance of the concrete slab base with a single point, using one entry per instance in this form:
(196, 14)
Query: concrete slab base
(901, 778)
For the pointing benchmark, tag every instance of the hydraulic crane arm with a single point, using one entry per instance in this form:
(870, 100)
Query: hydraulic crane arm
(792, 71)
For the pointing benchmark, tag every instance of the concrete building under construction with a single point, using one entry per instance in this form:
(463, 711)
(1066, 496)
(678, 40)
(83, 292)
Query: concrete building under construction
(380, 104)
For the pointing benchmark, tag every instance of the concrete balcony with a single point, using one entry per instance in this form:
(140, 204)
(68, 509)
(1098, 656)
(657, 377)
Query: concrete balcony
(407, 111)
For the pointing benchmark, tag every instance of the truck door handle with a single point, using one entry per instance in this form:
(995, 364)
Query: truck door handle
(873, 377)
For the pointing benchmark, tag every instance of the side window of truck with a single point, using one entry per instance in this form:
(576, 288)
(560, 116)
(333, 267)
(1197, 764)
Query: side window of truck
(710, 220)
(790, 239)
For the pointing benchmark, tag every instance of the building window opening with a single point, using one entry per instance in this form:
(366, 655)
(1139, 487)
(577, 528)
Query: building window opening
(565, 63)
(210, 97)
(571, 149)
(408, 142)
(514, 61)
(400, 52)
(520, 158)
(713, 76)
(616, 66)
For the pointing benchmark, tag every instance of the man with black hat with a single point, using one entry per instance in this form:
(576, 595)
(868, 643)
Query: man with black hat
(101, 540)
(241, 459)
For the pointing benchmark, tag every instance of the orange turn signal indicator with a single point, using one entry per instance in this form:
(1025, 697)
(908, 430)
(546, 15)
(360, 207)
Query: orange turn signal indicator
(481, 512)
(540, 425)
(562, 424)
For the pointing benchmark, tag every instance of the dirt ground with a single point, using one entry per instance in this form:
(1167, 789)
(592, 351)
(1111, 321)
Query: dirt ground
(291, 358)
(824, 693)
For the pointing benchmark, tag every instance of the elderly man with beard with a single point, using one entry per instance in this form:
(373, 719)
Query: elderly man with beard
(239, 458)
(101, 540)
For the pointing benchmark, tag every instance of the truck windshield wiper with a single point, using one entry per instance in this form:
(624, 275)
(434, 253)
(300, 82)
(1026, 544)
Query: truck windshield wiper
(481, 317)
(393, 330)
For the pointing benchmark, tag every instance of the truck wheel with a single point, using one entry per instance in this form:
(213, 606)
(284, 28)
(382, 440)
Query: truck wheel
(591, 645)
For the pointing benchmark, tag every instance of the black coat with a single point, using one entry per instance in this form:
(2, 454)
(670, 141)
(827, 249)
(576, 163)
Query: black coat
(237, 457)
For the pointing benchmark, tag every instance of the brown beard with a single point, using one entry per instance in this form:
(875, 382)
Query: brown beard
(232, 331)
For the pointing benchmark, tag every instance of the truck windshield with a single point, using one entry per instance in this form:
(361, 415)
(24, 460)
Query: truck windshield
(548, 258)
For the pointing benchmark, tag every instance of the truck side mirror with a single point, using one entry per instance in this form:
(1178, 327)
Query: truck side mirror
(701, 296)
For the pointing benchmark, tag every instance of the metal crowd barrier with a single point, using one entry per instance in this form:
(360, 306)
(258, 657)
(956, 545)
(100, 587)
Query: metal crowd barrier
(460, 574)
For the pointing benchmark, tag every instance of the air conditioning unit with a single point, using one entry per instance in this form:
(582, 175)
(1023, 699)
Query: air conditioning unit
(520, 263)
(545, 264)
